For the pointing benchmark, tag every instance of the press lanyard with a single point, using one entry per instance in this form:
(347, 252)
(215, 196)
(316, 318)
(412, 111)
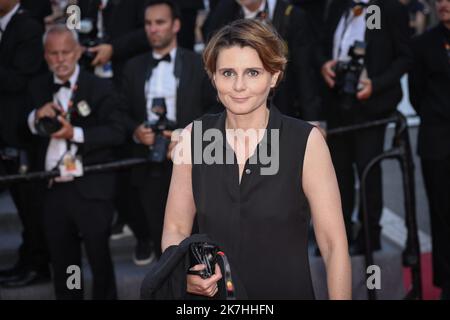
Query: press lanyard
(348, 20)
(229, 285)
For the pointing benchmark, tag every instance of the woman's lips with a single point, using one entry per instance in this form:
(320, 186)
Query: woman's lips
(240, 100)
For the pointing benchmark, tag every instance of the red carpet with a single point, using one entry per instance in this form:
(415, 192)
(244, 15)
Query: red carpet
(429, 291)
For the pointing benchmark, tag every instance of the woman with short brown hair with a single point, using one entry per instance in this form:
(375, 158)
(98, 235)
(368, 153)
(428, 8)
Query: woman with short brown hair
(255, 206)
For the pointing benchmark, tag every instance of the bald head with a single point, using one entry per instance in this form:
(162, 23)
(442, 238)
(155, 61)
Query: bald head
(59, 29)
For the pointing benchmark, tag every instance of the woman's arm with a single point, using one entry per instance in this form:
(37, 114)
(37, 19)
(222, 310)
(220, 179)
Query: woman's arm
(321, 189)
(180, 208)
(180, 212)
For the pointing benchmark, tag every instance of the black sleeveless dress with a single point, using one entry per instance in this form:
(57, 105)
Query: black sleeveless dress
(261, 223)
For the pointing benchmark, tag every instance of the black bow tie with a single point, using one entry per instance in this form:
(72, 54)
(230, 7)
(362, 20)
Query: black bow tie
(164, 58)
(57, 86)
(262, 15)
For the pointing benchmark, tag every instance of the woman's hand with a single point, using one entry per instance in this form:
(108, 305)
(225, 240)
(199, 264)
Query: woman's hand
(203, 287)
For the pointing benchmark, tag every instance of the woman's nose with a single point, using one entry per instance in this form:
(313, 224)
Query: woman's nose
(239, 84)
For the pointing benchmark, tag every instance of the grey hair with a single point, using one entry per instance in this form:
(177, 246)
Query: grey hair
(59, 29)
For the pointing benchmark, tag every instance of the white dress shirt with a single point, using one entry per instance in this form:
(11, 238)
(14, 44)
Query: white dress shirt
(349, 30)
(58, 147)
(252, 14)
(162, 84)
(4, 21)
(100, 22)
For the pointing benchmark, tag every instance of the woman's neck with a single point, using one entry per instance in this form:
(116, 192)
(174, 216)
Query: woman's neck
(257, 119)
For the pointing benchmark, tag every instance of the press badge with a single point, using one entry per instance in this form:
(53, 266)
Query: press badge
(71, 166)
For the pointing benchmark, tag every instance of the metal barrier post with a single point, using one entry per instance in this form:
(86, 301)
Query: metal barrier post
(401, 151)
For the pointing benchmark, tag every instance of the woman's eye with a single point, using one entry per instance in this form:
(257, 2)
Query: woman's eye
(227, 73)
(253, 73)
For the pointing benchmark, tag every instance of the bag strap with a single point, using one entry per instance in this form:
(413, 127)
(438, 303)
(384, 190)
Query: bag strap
(229, 285)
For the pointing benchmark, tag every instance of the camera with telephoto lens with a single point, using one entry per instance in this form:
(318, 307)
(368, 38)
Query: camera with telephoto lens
(348, 74)
(46, 126)
(158, 150)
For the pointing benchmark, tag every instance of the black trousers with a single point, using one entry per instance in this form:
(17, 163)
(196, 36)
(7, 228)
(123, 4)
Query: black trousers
(69, 220)
(436, 175)
(122, 196)
(153, 198)
(358, 149)
(147, 211)
(27, 197)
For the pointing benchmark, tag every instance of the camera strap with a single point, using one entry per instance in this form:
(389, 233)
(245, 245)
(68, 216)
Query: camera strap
(205, 273)
(67, 156)
(229, 285)
(447, 49)
(347, 21)
(356, 9)
(446, 40)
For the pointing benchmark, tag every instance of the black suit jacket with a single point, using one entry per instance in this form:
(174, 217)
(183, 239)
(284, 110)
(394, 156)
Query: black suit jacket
(190, 4)
(429, 92)
(388, 56)
(102, 129)
(38, 9)
(315, 9)
(21, 57)
(195, 96)
(296, 95)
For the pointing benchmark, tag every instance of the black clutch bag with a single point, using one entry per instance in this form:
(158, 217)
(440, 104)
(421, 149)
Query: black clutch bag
(209, 254)
(203, 253)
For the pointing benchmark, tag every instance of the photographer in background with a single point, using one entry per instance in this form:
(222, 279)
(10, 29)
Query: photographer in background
(20, 60)
(418, 12)
(76, 123)
(386, 56)
(120, 24)
(429, 83)
(112, 32)
(166, 85)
